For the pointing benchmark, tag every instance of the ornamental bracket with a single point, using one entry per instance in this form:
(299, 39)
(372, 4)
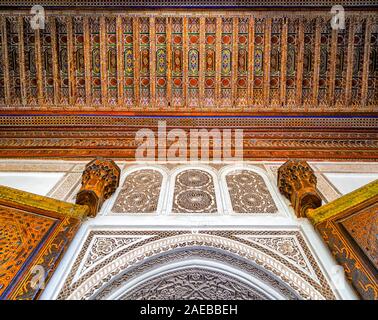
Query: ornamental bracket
(297, 182)
(99, 181)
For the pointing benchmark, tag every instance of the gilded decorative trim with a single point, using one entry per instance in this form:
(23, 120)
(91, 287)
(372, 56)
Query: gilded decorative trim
(119, 121)
(73, 137)
(368, 192)
(18, 198)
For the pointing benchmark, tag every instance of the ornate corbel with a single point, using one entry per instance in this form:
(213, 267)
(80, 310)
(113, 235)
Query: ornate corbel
(99, 181)
(297, 182)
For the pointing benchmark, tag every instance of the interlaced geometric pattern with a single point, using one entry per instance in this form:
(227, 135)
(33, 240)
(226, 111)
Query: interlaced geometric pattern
(20, 234)
(140, 192)
(249, 193)
(194, 192)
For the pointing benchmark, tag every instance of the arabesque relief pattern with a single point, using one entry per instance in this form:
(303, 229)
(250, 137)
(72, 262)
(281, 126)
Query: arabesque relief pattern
(194, 192)
(140, 192)
(194, 283)
(249, 193)
(281, 260)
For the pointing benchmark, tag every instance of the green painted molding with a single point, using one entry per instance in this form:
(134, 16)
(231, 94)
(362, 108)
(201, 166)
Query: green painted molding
(10, 196)
(348, 201)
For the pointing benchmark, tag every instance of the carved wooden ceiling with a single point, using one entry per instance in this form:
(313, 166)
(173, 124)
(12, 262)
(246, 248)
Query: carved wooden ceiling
(279, 74)
(191, 3)
(179, 62)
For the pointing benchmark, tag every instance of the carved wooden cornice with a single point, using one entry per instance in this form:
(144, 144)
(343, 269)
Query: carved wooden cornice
(190, 3)
(99, 181)
(297, 182)
(117, 138)
(349, 226)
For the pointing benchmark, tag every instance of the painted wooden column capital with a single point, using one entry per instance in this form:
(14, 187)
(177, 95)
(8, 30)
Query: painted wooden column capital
(99, 181)
(297, 182)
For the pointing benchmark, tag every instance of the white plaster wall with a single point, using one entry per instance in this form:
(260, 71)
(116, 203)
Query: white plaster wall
(36, 182)
(347, 182)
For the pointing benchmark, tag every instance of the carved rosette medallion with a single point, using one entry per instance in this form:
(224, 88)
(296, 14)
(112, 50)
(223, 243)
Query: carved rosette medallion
(99, 181)
(297, 182)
